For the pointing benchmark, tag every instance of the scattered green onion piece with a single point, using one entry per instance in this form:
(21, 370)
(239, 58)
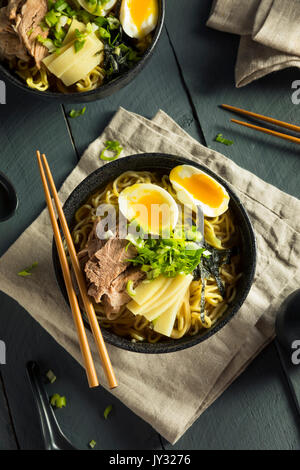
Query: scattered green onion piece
(50, 376)
(29, 33)
(76, 113)
(92, 444)
(58, 401)
(129, 288)
(107, 411)
(27, 271)
(111, 146)
(220, 138)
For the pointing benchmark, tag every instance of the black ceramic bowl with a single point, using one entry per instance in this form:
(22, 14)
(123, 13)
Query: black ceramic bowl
(8, 198)
(163, 162)
(98, 93)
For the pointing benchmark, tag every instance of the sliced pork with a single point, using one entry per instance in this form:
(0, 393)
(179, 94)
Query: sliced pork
(106, 264)
(11, 45)
(28, 28)
(19, 27)
(117, 295)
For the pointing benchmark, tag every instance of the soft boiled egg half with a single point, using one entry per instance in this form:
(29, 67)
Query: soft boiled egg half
(196, 188)
(138, 17)
(150, 206)
(97, 8)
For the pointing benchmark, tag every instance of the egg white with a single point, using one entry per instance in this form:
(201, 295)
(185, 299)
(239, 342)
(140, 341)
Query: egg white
(129, 197)
(186, 198)
(102, 11)
(131, 28)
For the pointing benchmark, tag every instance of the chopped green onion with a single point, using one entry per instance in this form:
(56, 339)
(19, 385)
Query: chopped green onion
(60, 5)
(51, 18)
(29, 33)
(92, 443)
(47, 43)
(220, 138)
(167, 256)
(104, 33)
(78, 45)
(111, 146)
(50, 376)
(130, 289)
(27, 271)
(107, 411)
(113, 22)
(76, 113)
(58, 401)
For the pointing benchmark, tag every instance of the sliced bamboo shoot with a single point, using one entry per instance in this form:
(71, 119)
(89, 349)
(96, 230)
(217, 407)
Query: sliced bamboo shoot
(146, 290)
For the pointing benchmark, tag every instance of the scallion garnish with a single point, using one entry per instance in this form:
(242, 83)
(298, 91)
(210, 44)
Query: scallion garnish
(92, 444)
(220, 138)
(27, 271)
(168, 256)
(111, 146)
(76, 113)
(129, 288)
(107, 411)
(50, 376)
(58, 401)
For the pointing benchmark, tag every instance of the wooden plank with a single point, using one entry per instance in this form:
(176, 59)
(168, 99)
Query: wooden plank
(7, 438)
(256, 412)
(207, 59)
(26, 125)
(82, 420)
(158, 86)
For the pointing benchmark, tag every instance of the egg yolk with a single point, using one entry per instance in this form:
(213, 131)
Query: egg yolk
(202, 188)
(152, 217)
(141, 10)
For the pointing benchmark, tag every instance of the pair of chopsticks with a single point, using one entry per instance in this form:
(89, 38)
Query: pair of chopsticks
(83, 342)
(286, 125)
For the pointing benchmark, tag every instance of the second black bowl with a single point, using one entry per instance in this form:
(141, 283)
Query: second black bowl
(164, 163)
(101, 92)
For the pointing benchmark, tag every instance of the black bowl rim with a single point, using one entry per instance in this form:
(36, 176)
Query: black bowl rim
(186, 341)
(102, 91)
(4, 181)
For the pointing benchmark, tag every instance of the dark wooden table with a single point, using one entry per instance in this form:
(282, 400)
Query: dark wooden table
(191, 73)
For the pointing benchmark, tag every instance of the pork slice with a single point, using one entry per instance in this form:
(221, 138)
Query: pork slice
(28, 28)
(10, 44)
(12, 8)
(94, 243)
(106, 264)
(117, 296)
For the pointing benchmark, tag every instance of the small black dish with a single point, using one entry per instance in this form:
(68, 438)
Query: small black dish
(164, 162)
(8, 198)
(101, 92)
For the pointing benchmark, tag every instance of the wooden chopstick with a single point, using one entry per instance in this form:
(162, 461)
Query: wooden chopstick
(89, 309)
(287, 125)
(268, 131)
(83, 342)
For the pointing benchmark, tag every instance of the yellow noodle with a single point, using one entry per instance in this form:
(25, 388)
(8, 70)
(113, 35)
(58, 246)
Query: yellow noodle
(219, 231)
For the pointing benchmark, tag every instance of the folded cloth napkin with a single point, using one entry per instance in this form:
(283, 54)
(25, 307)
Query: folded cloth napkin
(170, 391)
(270, 34)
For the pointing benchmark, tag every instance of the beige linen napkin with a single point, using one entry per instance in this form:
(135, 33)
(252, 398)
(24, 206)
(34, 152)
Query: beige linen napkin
(270, 34)
(170, 391)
